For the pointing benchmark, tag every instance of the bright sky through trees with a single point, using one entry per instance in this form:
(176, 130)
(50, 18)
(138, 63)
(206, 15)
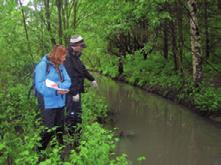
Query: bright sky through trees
(25, 2)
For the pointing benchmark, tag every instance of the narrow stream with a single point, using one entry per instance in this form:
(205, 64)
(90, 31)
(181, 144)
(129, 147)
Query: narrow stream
(163, 132)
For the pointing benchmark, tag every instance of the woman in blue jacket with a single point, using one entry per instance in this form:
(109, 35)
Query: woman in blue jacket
(51, 69)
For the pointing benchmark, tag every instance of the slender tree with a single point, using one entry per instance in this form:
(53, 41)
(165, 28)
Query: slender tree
(59, 4)
(48, 20)
(175, 37)
(207, 41)
(165, 39)
(179, 11)
(195, 43)
(219, 4)
(26, 31)
(174, 45)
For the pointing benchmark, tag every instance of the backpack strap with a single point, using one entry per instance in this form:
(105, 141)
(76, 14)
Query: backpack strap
(47, 70)
(60, 74)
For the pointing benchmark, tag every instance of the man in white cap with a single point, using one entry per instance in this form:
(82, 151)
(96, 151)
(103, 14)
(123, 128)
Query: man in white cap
(77, 72)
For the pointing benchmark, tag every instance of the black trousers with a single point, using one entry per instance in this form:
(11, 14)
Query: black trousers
(74, 112)
(52, 118)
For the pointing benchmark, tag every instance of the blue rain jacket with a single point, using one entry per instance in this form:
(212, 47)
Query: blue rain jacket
(51, 98)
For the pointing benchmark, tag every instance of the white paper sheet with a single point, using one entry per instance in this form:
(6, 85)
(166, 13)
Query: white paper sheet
(52, 84)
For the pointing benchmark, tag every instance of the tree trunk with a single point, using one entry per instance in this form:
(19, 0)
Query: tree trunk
(75, 8)
(65, 14)
(207, 42)
(26, 32)
(219, 4)
(120, 65)
(174, 45)
(69, 10)
(165, 39)
(180, 33)
(195, 43)
(59, 4)
(48, 20)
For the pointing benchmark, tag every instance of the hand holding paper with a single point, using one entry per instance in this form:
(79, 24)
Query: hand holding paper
(52, 84)
(63, 91)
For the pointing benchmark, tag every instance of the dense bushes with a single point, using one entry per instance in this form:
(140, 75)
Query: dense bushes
(20, 131)
(19, 134)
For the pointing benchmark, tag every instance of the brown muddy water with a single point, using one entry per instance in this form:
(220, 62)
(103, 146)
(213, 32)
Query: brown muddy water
(160, 130)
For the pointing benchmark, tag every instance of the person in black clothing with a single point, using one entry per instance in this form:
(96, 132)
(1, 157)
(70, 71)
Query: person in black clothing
(77, 72)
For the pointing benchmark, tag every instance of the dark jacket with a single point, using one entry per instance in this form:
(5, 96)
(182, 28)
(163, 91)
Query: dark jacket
(77, 72)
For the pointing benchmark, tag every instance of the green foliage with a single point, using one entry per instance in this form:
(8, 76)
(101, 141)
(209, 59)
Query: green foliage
(20, 130)
(150, 10)
(153, 71)
(17, 124)
(108, 66)
(20, 127)
(96, 145)
(120, 160)
(98, 21)
(96, 108)
(207, 98)
(158, 72)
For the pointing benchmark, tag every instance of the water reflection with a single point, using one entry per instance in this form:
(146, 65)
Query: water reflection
(163, 132)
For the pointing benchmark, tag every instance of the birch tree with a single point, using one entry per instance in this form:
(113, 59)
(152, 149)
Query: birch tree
(195, 43)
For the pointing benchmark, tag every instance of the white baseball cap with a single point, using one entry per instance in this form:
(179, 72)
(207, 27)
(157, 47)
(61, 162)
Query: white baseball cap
(76, 40)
